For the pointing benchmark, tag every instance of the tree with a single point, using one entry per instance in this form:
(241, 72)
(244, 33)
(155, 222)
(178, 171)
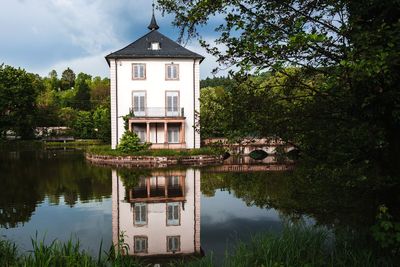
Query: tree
(18, 92)
(335, 94)
(48, 106)
(82, 97)
(212, 112)
(67, 79)
(215, 81)
(53, 80)
(100, 91)
(102, 123)
(82, 126)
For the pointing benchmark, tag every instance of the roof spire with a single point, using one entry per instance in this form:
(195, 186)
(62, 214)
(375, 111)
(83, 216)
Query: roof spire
(153, 23)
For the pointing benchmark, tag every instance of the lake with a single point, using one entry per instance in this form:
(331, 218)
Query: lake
(55, 194)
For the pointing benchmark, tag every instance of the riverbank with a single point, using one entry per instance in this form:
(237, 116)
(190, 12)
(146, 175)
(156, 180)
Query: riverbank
(104, 155)
(50, 144)
(294, 246)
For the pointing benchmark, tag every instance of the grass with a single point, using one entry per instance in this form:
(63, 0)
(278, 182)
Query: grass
(107, 151)
(4, 144)
(295, 246)
(76, 143)
(61, 255)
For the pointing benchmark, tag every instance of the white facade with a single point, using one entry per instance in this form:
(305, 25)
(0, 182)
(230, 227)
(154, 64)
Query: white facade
(155, 228)
(155, 86)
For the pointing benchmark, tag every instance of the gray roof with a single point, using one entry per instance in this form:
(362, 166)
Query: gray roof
(141, 49)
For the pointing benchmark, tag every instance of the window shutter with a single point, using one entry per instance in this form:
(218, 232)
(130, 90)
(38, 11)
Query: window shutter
(176, 216)
(168, 71)
(169, 212)
(143, 213)
(136, 103)
(141, 67)
(137, 213)
(169, 103)
(174, 72)
(175, 103)
(170, 243)
(141, 99)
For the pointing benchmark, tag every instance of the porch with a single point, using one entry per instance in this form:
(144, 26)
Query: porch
(158, 189)
(163, 133)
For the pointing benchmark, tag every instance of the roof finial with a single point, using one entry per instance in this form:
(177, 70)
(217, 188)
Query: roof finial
(153, 23)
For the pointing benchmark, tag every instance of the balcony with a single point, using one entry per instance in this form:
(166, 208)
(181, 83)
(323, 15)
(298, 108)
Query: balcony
(157, 112)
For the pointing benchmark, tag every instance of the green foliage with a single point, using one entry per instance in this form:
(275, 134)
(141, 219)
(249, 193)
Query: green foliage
(215, 82)
(67, 98)
(386, 231)
(82, 126)
(100, 91)
(18, 92)
(82, 96)
(67, 116)
(102, 123)
(67, 79)
(322, 76)
(52, 80)
(106, 150)
(130, 142)
(131, 177)
(297, 245)
(212, 112)
(8, 253)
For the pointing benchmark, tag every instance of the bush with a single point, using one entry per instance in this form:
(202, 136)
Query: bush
(130, 142)
(102, 123)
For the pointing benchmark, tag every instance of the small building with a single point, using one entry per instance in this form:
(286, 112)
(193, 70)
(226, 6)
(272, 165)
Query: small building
(155, 82)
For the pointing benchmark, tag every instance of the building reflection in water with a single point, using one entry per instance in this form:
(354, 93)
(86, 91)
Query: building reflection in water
(159, 215)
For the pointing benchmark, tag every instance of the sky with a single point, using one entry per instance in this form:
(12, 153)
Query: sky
(40, 36)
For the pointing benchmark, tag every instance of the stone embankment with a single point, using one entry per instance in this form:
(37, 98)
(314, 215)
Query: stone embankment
(153, 161)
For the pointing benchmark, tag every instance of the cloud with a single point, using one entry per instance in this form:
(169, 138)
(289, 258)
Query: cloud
(54, 34)
(210, 62)
(94, 65)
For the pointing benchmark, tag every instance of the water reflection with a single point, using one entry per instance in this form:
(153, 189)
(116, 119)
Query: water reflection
(56, 194)
(158, 213)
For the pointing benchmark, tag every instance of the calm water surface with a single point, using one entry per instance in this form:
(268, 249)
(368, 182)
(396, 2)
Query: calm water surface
(56, 194)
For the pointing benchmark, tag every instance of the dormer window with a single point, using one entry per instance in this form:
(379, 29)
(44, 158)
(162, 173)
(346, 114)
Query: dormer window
(155, 46)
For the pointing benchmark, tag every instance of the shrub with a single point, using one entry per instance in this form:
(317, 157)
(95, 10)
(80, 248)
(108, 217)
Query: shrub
(130, 142)
(102, 123)
(82, 126)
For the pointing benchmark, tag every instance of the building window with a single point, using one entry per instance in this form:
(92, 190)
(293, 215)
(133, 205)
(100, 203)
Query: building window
(173, 214)
(139, 103)
(173, 134)
(141, 134)
(172, 103)
(173, 181)
(155, 46)
(173, 243)
(140, 243)
(140, 214)
(171, 71)
(138, 71)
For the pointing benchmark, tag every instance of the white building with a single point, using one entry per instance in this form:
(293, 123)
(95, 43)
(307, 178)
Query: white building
(160, 216)
(156, 82)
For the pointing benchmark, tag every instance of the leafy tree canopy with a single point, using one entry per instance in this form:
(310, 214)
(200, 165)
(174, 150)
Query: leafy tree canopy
(67, 79)
(18, 92)
(331, 74)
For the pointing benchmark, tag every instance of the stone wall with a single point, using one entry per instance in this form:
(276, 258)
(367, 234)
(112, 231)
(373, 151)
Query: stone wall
(153, 161)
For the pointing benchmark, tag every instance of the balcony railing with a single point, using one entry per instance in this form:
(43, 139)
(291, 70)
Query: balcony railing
(156, 112)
